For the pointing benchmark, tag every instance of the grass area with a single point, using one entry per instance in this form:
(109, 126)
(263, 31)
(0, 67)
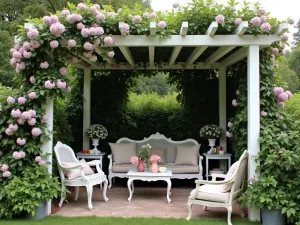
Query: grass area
(56, 220)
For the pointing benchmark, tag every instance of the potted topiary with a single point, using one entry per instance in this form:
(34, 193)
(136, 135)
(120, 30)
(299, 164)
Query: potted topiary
(30, 192)
(96, 132)
(211, 132)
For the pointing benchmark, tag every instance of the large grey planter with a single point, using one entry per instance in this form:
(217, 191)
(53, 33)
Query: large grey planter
(272, 217)
(41, 212)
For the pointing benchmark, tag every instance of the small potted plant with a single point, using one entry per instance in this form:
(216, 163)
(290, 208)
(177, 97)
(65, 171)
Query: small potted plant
(142, 157)
(96, 132)
(211, 132)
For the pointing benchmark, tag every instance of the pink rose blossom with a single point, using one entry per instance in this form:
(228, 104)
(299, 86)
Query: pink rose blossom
(88, 46)
(27, 55)
(71, 43)
(61, 84)
(229, 124)
(63, 71)
(32, 95)
(27, 45)
(99, 30)
(252, 179)
(228, 134)
(10, 100)
(134, 160)
(263, 19)
(255, 21)
(278, 91)
(263, 113)
(57, 29)
(4, 167)
(265, 27)
(20, 121)
(9, 132)
(262, 11)
(155, 158)
(283, 97)
(32, 79)
(93, 58)
(285, 37)
(21, 141)
(16, 155)
(111, 54)
(41, 163)
(275, 51)
(46, 20)
(44, 118)
(17, 55)
(32, 121)
(282, 52)
(32, 33)
(85, 32)
(13, 62)
(38, 158)
(13, 127)
(153, 15)
(220, 19)
(20, 66)
(32, 113)
(124, 28)
(35, 44)
(235, 103)
(162, 24)
(95, 8)
(100, 16)
(146, 15)
(291, 21)
(137, 19)
(6, 174)
(21, 100)
(65, 12)
(289, 93)
(53, 19)
(44, 65)
(54, 44)
(36, 132)
(108, 41)
(26, 115)
(80, 26)
(94, 24)
(82, 7)
(49, 85)
(22, 154)
(16, 113)
(238, 21)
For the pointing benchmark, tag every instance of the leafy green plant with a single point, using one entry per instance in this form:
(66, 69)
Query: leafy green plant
(144, 152)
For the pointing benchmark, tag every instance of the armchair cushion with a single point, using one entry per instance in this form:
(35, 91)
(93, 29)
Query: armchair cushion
(211, 193)
(122, 152)
(161, 152)
(227, 187)
(187, 155)
(72, 174)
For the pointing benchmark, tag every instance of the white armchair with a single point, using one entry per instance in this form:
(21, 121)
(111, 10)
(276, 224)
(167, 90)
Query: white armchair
(64, 154)
(211, 193)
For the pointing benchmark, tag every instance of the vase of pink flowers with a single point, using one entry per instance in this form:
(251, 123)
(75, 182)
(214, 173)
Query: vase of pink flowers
(154, 160)
(138, 162)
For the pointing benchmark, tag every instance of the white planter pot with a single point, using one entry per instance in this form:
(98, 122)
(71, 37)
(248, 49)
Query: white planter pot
(212, 142)
(95, 144)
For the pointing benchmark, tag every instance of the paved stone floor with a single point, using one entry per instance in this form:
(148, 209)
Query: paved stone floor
(147, 201)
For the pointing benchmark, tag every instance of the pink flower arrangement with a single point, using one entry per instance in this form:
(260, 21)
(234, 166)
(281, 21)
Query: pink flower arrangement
(32, 79)
(20, 66)
(73, 18)
(6, 174)
(153, 15)
(111, 54)
(54, 44)
(44, 118)
(175, 5)
(27, 45)
(155, 158)
(9, 132)
(53, 19)
(220, 19)
(4, 167)
(10, 100)
(36, 131)
(63, 71)
(228, 134)
(137, 19)
(134, 160)
(255, 21)
(238, 21)
(13, 62)
(32, 121)
(229, 124)
(32, 33)
(57, 29)
(26, 115)
(21, 141)
(108, 41)
(235, 103)
(49, 85)
(35, 44)
(265, 27)
(21, 100)
(162, 24)
(125, 28)
(44, 65)
(263, 113)
(32, 95)
(16, 113)
(80, 26)
(262, 11)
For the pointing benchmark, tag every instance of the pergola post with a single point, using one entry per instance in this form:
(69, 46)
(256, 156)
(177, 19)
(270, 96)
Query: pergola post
(86, 106)
(47, 147)
(253, 79)
(222, 106)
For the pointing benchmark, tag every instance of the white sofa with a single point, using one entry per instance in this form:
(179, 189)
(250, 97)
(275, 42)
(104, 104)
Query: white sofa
(158, 140)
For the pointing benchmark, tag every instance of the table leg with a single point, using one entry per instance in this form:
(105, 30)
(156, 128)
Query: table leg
(168, 190)
(206, 167)
(129, 185)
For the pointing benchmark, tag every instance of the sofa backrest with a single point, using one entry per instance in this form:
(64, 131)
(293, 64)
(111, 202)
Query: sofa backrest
(160, 141)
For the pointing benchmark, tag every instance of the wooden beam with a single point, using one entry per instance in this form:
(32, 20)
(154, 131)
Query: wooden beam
(284, 27)
(127, 54)
(164, 66)
(219, 54)
(87, 60)
(104, 56)
(151, 55)
(174, 55)
(184, 28)
(152, 28)
(241, 29)
(195, 54)
(212, 29)
(194, 40)
(235, 57)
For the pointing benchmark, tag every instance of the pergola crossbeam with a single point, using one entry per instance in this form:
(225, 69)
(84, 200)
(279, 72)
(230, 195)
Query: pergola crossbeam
(105, 57)
(219, 54)
(284, 27)
(195, 54)
(151, 55)
(235, 57)
(127, 54)
(152, 28)
(212, 29)
(242, 28)
(174, 55)
(87, 60)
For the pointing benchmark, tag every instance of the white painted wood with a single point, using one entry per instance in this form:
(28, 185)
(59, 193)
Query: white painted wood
(222, 106)
(86, 106)
(127, 54)
(152, 28)
(163, 66)
(151, 55)
(28, 26)
(184, 28)
(104, 56)
(221, 158)
(235, 57)
(174, 55)
(195, 54)
(284, 27)
(253, 99)
(212, 29)
(219, 54)
(87, 60)
(47, 146)
(241, 29)
(120, 25)
(194, 40)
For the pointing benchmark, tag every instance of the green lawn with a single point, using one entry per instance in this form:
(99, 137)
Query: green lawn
(56, 220)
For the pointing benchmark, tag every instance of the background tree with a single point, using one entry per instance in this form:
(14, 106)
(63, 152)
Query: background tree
(289, 75)
(297, 35)
(294, 60)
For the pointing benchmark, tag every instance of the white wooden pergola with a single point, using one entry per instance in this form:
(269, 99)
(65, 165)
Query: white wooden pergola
(230, 49)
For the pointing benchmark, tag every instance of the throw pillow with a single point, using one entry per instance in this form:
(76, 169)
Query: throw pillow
(187, 155)
(227, 187)
(161, 152)
(72, 174)
(122, 152)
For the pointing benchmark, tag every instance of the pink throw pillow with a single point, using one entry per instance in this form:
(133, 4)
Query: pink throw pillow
(72, 174)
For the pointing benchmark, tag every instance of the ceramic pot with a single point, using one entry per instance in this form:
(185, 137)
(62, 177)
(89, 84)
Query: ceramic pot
(272, 217)
(141, 166)
(154, 167)
(95, 144)
(41, 212)
(212, 142)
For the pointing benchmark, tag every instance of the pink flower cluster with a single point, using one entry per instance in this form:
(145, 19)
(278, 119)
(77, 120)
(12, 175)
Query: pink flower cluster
(71, 43)
(228, 134)
(49, 85)
(263, 113)
(155, 158)
(291, 21)
(12, 128)
(111, 54)
(265, 27)
(124, 28)
(61, 84)
(32, 33)
(21, 100)
(32, 95)
(57, 29)
(146, 15)
(49, 20)
(92, 31)
(162, 24)
(32, 79)
(137, 19)
(44, 65)
(235, 103)
(39, 160)
(73, 18)
(82, 7)
(18, 155)
(108, 41)
(4, 168)
(153, 15)
(10, 100)
(238, 21)
(63, 71)
(220, 19)
(54, 44)
(281, 96)
(134, 160)
(36, 131)
(255, 21)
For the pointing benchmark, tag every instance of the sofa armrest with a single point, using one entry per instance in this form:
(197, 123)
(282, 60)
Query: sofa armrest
(110, 158)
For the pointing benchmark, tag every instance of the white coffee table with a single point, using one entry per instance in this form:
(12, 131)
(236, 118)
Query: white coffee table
(148, 176)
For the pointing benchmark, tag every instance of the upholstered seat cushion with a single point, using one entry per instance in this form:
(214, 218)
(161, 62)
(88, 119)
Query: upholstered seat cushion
(211, 193)
(75, 173)
(180, 169)
(123, 152)
(123, 168)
